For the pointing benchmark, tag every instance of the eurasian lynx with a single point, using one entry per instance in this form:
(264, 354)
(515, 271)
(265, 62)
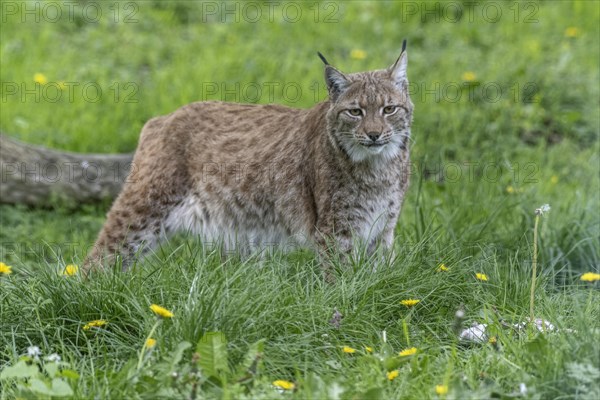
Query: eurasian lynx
(250, 176)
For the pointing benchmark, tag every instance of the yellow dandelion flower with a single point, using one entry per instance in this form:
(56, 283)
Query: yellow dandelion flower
(409, 302)
(5, 269)
(408, 352)
(161, 311)
(94, 324)
(285, 385)
(348, 350)
(481, 277)
(554, 179)
(590, 277)
(442, 268)
(469, 76)
(70, 270)
(40, 78)
(150, 343)
(493, 340)
(571, 32)
(510, 189)
(368, 349)
(358, 54)
(393, 374)
(441, 389)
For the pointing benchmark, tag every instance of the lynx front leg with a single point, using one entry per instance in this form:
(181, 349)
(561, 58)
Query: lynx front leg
(333, 249)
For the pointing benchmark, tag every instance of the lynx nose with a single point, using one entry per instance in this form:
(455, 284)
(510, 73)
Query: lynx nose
(373, 136)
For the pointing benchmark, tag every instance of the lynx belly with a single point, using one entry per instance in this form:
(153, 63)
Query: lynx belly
(236, 230)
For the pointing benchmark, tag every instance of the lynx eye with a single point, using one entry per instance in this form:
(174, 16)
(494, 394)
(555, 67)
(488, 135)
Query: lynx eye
(389, 110)
(355, 112)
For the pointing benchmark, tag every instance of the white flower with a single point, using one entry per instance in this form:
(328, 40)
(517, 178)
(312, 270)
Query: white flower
(543, 209)
(543, 325)
(540, 324)
(33, 351)
(53, 358)
(522, 389)
(476, 334)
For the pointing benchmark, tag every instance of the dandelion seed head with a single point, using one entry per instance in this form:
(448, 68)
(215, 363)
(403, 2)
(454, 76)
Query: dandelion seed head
(522, 389)
(542, 209)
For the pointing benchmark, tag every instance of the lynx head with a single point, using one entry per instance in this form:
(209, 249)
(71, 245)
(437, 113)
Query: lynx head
(370, 112)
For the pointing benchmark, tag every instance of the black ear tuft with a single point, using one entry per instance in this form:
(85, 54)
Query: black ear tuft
(322, 58)
(403, 46)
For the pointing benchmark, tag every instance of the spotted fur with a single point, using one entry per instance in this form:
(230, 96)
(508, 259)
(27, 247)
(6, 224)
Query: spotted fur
(255, 177)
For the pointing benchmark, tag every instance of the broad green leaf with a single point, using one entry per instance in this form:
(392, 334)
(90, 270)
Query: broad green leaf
(335, 364)
(69, 373)
(19, 370)
(51, 369)
(128, 370)
(252, 358)
(392, 363)
(39, 387)
(178, 354)
(373, 393)
(61, 388)
(212, 349)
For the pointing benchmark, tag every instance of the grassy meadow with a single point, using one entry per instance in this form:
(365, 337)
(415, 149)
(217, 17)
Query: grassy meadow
(506, 119)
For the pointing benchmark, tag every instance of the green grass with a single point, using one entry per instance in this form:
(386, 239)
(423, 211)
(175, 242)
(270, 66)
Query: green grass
(481, 167)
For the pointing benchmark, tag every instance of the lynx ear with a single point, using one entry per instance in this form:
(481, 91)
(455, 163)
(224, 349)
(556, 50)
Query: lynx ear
(335, 80)
(398, 70)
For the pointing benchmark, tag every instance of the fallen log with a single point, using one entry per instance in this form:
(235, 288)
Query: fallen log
(37, 176)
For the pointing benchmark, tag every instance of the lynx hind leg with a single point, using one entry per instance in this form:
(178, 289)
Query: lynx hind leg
(135, 223)
(126, 234)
